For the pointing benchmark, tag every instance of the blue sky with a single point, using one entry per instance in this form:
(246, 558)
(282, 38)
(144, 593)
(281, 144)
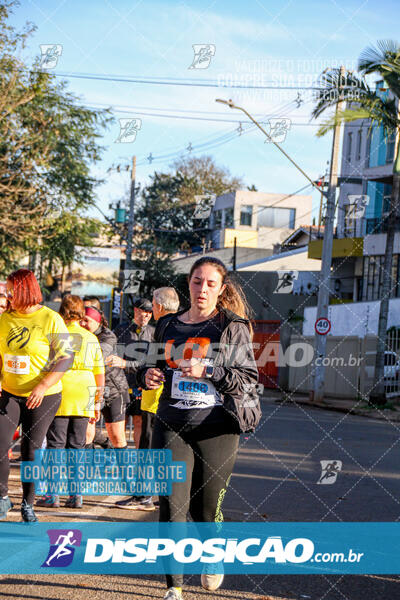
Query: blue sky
(257, 41)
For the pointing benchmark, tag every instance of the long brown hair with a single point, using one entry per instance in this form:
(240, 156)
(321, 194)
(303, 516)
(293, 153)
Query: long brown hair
(72, 308)
(232, 297)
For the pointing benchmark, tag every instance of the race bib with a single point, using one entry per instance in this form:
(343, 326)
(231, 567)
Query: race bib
(20, 365)
(193, 393)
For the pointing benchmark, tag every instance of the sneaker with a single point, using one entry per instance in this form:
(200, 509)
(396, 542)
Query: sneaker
(74, 502)
(5, 505)
(135, 503)
(210, 580)
(127, 501)
(49, 501)
(173, 593)
(27, 512)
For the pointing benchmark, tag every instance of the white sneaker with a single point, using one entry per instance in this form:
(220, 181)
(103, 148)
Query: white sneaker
(173, 594)
(211, 581)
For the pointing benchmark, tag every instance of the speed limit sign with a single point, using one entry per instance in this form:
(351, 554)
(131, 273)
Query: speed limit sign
(322, 326)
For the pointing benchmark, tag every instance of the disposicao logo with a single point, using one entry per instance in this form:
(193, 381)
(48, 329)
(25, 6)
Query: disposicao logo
(190, 550)
(62, 542)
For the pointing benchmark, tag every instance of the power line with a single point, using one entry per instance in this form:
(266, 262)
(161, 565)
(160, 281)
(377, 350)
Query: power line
(182, 110)
(180, 82)
(210, 119)
(210, 142)
(175, 116)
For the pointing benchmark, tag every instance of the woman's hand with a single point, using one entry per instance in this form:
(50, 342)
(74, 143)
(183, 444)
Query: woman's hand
(154, 378)
(36, 396)
(192, 368)
(96, 417)
(115, 361)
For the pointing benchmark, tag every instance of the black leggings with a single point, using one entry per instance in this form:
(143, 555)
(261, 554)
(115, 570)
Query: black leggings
(146, 431)
(67, 432)
(35, 423)
(210, 458)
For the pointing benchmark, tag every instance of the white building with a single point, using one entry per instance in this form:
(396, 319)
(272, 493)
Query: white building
(257, 219)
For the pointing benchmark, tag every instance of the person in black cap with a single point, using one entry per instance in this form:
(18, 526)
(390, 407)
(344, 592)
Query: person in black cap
(130, 334)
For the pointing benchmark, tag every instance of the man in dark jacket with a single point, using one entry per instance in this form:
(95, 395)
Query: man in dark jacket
(165, 301)
(131, 336)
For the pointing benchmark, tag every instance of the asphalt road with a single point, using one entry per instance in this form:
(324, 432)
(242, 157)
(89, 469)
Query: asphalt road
(275, 479)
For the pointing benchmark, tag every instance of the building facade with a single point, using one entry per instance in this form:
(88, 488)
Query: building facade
(365, 186)
(257, 219)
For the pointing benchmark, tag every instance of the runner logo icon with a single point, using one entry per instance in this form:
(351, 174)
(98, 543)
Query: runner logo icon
(61, 552)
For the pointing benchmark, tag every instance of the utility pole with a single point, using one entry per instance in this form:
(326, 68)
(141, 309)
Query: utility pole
(323, 295)
(326, 259)
(129, 239)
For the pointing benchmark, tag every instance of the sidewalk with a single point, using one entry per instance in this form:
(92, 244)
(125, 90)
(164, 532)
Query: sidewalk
(354, 407)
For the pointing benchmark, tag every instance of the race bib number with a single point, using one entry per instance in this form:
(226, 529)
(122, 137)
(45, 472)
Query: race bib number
(193, 393)
(20, 365)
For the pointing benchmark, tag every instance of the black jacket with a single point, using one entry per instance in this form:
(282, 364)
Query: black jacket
(235, 373)
(115, 377)
(130, 345)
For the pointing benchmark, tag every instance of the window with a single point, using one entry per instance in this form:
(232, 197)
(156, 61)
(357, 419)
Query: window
(349, 145)
(217, 219)
(390, 144)
(246, 213)
(372, 277)
(229, 217)
(276, 217)
(359, 144)
(349, 221)
(390, 359)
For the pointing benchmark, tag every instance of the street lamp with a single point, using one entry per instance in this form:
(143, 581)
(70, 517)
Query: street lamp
(231, 104)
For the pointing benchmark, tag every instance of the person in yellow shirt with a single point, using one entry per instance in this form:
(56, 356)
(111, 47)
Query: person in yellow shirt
(82, 389)
(34, 355)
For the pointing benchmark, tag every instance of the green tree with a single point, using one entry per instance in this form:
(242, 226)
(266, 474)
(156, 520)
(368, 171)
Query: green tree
(59, 246)
(166, 211)
(206, 177)
(381, 109)
(47, 145)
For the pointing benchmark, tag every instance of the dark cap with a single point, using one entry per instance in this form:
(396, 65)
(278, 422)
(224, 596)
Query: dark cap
(143, 304)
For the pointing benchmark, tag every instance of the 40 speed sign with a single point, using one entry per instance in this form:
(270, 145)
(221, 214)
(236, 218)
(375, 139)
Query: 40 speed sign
(322, 326)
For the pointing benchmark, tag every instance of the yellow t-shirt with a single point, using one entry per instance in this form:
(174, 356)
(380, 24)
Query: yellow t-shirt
(79, 384)
(27, 343)
(150, 398)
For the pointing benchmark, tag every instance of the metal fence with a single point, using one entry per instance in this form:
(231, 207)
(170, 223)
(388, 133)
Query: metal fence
(349, 366)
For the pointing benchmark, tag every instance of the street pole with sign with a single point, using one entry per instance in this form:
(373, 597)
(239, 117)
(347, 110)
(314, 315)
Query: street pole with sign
(326, 261)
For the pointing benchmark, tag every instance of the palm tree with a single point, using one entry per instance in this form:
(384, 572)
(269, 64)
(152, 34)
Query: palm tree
(380, 109)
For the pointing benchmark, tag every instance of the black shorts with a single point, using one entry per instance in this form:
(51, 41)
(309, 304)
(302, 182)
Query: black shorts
(114, 410)
(133, 408)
